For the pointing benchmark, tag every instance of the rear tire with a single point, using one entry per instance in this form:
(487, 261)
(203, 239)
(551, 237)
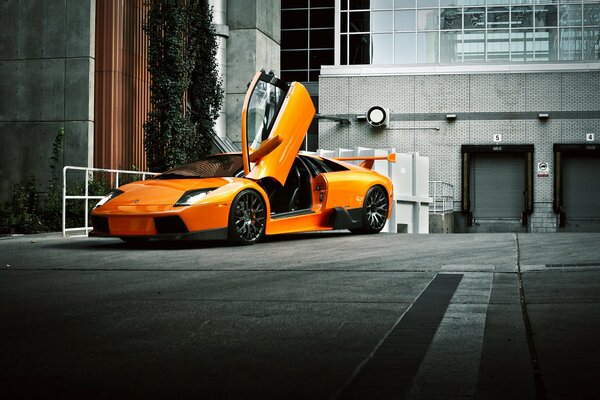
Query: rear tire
(375, 211)
(247, 218)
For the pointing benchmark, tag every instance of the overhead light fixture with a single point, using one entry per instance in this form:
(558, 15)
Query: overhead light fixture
(543, 115)
(450, 117)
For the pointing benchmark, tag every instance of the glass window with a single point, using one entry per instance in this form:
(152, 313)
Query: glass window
(591, 14)
(382, 21)
(591, 44)
(405, 3)
(521, 45)
(322, 18)
(344, 49)
(450, 3)
(497, 17)
(344, 5)
(291, 76)
(474, 46)
(521, 17)
(545, 44)
(294, 59)
(322, 38)
(382, 4)
(294, 39)
(427, 47)
(294, 4)
(360, 4)
(474, 2)
(428, 19)
(497, 2)
(322, 3)
(451, 18)
(359, 49)
(570, 44)
(263, 107)
(427, 3)
(291, 19)
(404, 20)
(474, 18)
(450, 44)
(359, 21)
(498, 48)
(570, 15)
(383, 49)
(545, 16)
(404, 48)
(320, 57)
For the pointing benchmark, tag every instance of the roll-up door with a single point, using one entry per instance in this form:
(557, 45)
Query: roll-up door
(498, 184)
(581, 185)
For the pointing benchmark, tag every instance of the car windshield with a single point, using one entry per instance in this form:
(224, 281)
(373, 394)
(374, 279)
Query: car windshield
(215, 166)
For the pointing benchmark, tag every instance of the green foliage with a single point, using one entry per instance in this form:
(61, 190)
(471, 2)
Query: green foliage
(181, 61)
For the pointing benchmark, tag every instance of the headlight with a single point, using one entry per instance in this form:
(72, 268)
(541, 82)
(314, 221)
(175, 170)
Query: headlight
(113, 193)
(192, 196)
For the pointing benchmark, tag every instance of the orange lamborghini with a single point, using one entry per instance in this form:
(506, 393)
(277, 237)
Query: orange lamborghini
(267, 189)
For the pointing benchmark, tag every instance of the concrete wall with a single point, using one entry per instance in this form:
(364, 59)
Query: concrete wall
(485, 104)
(253, 44)
(46, 82)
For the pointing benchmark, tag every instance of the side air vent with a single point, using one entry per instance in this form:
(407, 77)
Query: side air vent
(100, 224)
(169, 225)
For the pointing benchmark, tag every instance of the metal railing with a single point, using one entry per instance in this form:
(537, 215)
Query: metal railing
(87, 197)
(442, 194)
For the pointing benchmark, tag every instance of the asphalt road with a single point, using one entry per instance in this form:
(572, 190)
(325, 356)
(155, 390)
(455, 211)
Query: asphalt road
(317, 316)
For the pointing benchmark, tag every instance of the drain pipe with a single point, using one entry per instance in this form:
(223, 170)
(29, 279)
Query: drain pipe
(222, 33)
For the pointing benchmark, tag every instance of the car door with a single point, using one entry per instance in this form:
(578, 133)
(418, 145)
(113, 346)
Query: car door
(275, 118)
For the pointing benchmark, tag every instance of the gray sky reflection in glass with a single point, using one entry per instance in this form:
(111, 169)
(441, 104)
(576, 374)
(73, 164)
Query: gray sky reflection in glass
(262, 110)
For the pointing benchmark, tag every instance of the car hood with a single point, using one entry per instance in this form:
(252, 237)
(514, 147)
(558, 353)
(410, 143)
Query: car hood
(163, 192)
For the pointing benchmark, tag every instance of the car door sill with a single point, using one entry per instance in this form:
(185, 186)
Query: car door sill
(294, 213)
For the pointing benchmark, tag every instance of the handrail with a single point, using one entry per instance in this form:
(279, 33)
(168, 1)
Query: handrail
(86, 228)
(442, 194)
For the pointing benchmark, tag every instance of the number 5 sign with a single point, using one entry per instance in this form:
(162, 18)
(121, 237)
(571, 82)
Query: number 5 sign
(497, 137)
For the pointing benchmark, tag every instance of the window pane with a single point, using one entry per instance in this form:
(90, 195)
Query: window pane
(428, 19)
(570, 15)
(322, 38)
(382, 21)
(545, 16)
(427, 3)
(404, 20)
(591, 14)
(344, 22)
(382, 49)
(294, 4)
(450, 44)
(498, 45)
(313, 76)
(360, 4)
(521, 45)
(474, 2)
(359, 21)
(545, 43)
(294, 59)
(497, 17)
(451, 18)
(405, 3)
(497, 2)
(291, 76)
(404, 48)
(322, 18)
(344, 50)
(427, 47)
(382, 4)
(320, 57)
(294, 39)
(474, 18)
(344, 5)
(451, 3)
(322, 3)
(570, 44)
(521, 17)
(591, 45)
(294, 19)
(474, 46)
(359, 49)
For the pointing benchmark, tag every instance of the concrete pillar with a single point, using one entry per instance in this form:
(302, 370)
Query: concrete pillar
(222, 32)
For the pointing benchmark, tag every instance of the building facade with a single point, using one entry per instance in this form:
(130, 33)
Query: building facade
(503, 96)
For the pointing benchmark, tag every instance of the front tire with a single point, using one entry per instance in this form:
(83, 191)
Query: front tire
(247, 218)
(375, 211)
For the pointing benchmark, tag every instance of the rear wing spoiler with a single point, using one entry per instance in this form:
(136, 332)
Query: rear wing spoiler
(368, 161)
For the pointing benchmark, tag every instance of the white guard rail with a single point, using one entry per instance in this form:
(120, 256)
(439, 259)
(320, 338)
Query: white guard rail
(86, 196)
(443, 197)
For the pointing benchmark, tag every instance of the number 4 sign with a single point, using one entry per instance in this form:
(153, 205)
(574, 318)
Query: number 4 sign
(589, 137)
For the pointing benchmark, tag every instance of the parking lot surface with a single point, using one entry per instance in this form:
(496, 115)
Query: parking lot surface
(311, 316)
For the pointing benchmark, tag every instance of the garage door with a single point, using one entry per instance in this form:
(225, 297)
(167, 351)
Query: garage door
(497, 185)
(581, 186)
